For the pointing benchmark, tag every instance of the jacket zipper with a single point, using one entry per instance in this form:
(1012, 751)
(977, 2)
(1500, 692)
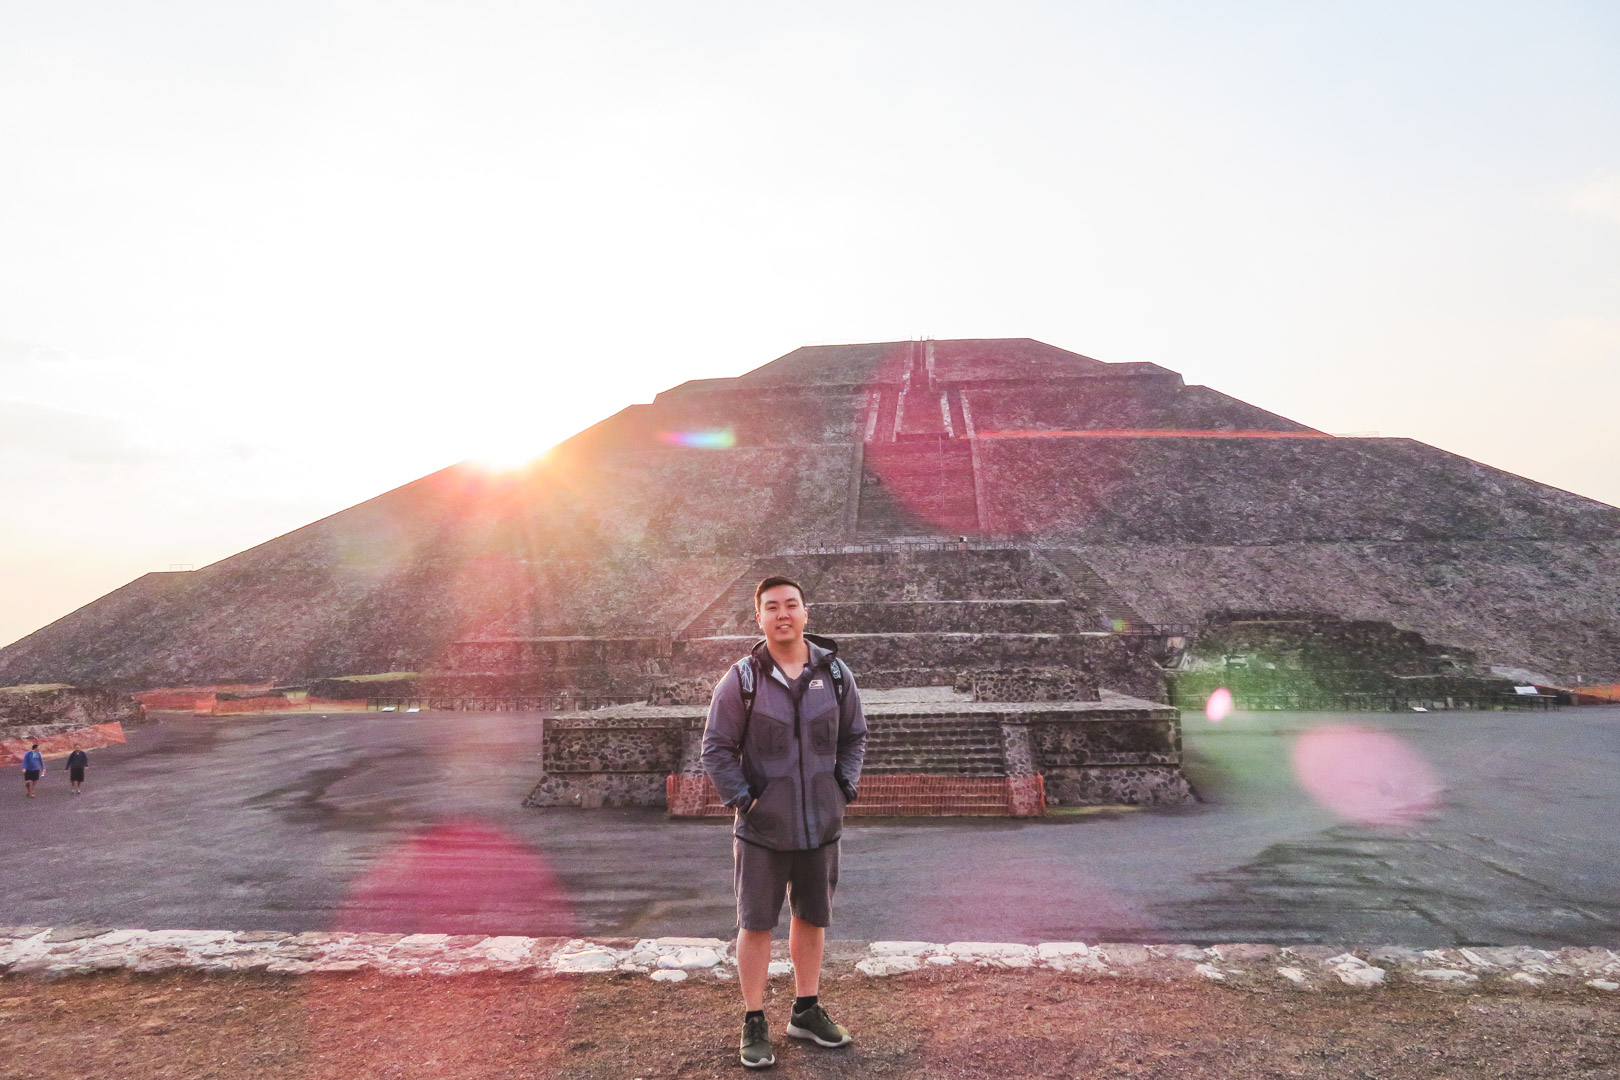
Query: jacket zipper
(798, 743)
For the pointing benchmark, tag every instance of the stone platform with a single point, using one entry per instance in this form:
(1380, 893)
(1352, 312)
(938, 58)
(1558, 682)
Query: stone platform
(932, 751)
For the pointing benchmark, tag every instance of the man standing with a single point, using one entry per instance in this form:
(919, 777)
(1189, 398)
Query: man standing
(784, 745)
(33, 765)
(75, 764)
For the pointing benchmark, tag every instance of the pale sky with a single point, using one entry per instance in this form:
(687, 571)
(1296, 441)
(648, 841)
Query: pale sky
(261, 261)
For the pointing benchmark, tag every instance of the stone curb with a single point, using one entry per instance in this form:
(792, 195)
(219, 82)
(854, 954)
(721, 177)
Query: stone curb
(58, 952)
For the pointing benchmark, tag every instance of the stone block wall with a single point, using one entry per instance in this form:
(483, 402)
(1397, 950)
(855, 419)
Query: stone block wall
(1140, 742)
(1137, 785)
(556, 654)
(72, 706)
(684, 690)
(594, 790)
(610, 748)
(612, 762)
(1049, 616)
(1107, 661)
(1129, 762)
(1028, 684)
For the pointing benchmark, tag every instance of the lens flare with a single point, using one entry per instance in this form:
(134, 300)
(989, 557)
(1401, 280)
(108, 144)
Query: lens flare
(1366, 776)
(1219, 705)
(710, 439)
(459, 878)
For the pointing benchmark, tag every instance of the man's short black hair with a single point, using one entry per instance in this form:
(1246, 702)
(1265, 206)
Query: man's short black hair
(773, 582)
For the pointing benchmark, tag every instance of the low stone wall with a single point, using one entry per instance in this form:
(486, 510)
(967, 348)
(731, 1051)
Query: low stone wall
(54, 953)
(1134, 785)
(1028, 684)
(1118, 762)
(684, 690)
(590, 791)
(579, 747)
(610, 762)
(1119, 742)
(895, 678)
(22, 706)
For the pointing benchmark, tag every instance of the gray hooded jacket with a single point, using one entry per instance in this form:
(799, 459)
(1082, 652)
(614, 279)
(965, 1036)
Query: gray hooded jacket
(799, 761)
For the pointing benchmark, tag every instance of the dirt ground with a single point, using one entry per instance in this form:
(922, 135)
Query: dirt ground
(930, 1024)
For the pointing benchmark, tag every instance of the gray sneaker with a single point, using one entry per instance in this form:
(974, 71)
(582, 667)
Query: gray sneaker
(756, 1043)
(814, 1024)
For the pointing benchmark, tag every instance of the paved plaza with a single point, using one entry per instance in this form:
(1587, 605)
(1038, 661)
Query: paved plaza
(414, 823)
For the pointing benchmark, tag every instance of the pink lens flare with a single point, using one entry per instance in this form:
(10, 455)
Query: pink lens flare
(1366, 776)
(459, 878)
(1219, 705)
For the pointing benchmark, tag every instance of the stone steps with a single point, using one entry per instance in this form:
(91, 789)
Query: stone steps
(727, 611)
(944, 747)
(894, 795)
(918, 487)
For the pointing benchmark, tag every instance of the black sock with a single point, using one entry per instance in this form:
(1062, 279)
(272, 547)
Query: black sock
(802, 1003)
(750, 1014)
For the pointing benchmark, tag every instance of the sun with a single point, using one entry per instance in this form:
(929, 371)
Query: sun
(508, 454)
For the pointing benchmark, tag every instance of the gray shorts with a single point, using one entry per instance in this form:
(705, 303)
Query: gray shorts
(762, 878)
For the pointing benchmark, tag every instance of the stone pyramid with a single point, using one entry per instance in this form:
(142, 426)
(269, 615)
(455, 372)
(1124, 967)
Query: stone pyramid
(1101, 499)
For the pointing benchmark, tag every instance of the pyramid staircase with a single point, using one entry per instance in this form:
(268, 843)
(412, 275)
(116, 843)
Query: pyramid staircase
(916, 462)
(726, 612)
(919, 487)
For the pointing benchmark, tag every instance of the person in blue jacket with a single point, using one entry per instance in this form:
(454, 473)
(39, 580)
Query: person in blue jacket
(33, 765)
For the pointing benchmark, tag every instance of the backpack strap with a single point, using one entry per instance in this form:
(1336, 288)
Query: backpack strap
(840, 684)
(748, 689)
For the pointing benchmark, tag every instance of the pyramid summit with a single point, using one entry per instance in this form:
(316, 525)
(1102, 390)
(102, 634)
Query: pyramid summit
(980, 502)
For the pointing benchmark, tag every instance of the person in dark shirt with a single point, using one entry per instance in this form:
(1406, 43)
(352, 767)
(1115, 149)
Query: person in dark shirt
(75, 764)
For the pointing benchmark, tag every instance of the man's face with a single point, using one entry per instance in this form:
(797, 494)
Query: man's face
(782, 615)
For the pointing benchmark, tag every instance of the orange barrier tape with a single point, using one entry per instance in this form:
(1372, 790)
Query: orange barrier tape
(61, 745)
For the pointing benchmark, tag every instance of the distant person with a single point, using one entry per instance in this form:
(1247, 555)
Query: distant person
(33, 765)
(75, 765)
(784, 745)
